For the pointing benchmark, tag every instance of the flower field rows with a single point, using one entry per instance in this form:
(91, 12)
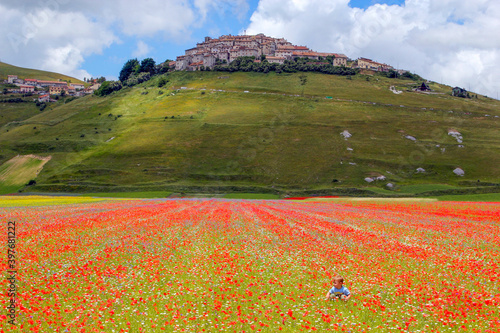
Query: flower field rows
(234, 265)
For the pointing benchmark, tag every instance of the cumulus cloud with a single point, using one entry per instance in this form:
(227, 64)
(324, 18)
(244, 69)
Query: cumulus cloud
(453, 41)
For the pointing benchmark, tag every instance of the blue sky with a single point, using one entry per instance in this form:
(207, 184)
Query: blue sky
(449, 41)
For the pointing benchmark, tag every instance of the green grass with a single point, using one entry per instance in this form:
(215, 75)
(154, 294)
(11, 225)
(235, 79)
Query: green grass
(487, 197)
(379, 190)
(420, 188)
(250, 196)
(15, 112)
(222, 139)
(146, 195)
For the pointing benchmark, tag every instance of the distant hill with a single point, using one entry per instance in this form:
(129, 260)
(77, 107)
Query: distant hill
(26, 73)
(253, 132)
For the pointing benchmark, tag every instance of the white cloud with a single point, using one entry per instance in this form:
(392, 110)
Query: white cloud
(453, 40)
(50, 40)
(141, 50)
(65, 59)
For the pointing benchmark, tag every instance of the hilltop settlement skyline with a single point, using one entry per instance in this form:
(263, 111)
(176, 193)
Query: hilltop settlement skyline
(227, 48)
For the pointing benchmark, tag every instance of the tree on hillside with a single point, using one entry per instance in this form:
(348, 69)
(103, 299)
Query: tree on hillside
(128, 69)
(148, 65)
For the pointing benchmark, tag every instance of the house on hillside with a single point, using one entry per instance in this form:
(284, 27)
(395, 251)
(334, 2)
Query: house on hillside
(11, 78)
(460, 92)
(57, 90)
(44, 98)
(26, 89)
(340, 59)
(195, 66)
(52, 83)
(181, 63)
(365, 63)
(277, 60)
(31, 82)
(77, 86)
(91, 89)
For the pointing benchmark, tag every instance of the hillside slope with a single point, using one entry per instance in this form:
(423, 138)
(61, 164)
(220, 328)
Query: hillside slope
(27, 73)
(18, 171)
(209, 131)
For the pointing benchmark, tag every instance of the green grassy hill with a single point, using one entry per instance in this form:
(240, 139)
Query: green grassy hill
(248, 132)
(27, 73)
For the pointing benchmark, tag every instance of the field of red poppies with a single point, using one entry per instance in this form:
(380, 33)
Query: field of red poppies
(204, 265)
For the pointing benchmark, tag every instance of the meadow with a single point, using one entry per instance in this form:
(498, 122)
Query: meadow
(203, 265)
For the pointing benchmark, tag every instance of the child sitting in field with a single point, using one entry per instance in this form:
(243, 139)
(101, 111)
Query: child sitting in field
(338, 290)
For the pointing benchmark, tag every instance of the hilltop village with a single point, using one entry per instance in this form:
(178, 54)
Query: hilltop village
(45, 89)
(227, 48)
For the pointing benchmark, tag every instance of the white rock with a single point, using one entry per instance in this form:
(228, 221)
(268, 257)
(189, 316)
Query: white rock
(380, 178)
(409, 137)
(459, 172)
(393, 89)
(346, 134)
(352, 163)
(350, 149)
(368, 179)
(456, 135)
(389, 185)
(420, 170)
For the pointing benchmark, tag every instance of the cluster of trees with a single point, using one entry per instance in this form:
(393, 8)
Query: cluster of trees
(12, 100)
(393, 74)
(98, 80)
(248, 64)
(132, 73)
(133, 68)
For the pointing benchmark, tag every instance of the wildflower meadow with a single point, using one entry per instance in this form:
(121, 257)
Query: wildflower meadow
(205, 265)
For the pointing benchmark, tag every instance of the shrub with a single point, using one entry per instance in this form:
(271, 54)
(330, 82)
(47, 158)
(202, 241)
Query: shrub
(162, 81)
(108, 87)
